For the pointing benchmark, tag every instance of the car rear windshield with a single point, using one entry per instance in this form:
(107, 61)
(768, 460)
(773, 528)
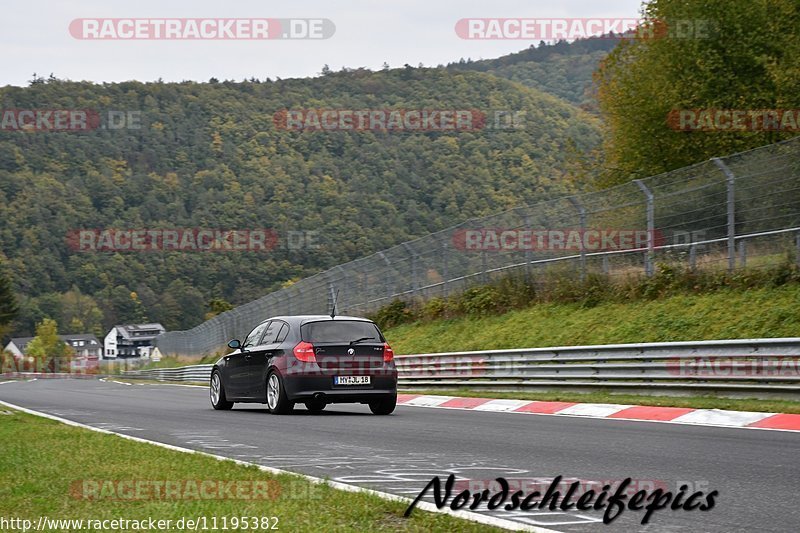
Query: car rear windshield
(340, 331)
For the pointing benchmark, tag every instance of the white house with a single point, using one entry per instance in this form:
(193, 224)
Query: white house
(84, 345)
(131, 340)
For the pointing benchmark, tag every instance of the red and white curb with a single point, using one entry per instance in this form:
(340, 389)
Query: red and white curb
(671, 415)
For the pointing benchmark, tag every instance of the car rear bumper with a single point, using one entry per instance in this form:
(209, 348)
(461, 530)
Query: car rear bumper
(305, 388)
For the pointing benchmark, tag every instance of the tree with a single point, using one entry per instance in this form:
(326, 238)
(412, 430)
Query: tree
(81, 312)
(122, 306)
(733, 55)
(217, 306)
(47, 346)
(361, 191)
(8, 303)
(183, 305)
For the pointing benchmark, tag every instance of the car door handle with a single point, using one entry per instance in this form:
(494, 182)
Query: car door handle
(247, 357)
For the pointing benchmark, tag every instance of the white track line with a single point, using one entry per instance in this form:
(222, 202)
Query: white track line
(425, 506)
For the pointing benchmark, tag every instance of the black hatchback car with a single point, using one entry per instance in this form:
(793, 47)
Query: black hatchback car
(315, 360)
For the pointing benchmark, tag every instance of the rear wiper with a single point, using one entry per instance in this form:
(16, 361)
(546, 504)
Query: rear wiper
(361, 339)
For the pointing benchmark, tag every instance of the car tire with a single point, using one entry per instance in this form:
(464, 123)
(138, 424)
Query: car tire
(277, 402)
(217, 393)
(315, 406)
(384, 406)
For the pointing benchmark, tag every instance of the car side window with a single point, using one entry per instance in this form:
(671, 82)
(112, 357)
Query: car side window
(271, 332)
(252, 338)
(283, 333)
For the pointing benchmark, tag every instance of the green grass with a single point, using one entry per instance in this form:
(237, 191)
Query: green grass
(42, 459)
(723, 314)
(696, 402)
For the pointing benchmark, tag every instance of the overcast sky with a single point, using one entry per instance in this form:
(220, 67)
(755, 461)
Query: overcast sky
(36, 38)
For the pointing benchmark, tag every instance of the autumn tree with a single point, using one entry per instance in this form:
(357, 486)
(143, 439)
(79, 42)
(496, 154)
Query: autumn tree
(8, 303)
(690, 55)
(217, 306)
(47, 348)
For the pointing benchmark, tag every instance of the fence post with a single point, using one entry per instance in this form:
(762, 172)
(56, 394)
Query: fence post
(527, 220)
(445, 273)
(742, 253)
(365, 290)
(331, 296)
(388, 281)
(797, 245)
(730, 180)
(582, 216)
(693, 257)
(413, 259)
(483, 267)
(651, 227)
(344, 290)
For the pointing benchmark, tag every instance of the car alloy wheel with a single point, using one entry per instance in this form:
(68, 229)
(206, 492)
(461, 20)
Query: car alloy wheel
(273, 391)
(215, 388)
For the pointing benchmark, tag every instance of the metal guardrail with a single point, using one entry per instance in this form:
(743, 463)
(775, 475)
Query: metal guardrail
(194, 373)
(746, 367)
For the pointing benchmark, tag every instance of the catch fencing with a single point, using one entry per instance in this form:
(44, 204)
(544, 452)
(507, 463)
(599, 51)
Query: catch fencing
(726, 213)
(766, 368)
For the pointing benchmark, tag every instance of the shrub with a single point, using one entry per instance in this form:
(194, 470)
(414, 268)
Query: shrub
(481, 301)
(562, 285)
(435, 308)
(394, 314)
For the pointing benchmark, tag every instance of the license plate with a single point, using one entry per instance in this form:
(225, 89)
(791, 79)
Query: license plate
(351, 380)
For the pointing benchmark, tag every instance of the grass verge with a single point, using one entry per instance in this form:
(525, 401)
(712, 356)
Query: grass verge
(697, 402)
(724, 314)
(43, 462)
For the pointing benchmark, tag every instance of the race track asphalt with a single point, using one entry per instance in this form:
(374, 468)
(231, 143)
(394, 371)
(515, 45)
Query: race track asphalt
(756, 472)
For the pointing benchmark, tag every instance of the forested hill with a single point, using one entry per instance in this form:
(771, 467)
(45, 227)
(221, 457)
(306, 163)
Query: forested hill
(210, 155)
(563, 69)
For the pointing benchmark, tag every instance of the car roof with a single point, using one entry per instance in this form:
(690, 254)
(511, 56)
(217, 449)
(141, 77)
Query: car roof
(303, 319)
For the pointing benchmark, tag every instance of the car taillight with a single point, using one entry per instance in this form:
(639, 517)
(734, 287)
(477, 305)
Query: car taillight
(304, 351)
(388, 353)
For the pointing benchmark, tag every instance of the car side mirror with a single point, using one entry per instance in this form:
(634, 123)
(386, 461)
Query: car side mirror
(235, 344)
